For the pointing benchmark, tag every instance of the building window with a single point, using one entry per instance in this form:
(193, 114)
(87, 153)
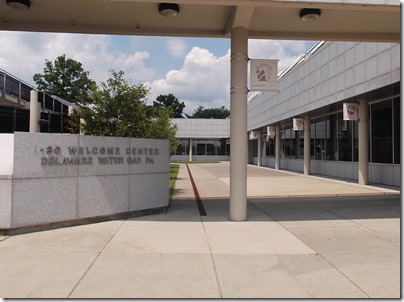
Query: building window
(183, 147)
(254, 147)
(270, 147)
(397, 132)
(320, 139)
(289, 142)
(200, 147)
(282, 145)
(294, 143)
(204, 147)
(382, 132)
(300, 145)
(345, 147)
(210, 147)
(222, 147)
(332, 138)
(355, 139)
(312, 138)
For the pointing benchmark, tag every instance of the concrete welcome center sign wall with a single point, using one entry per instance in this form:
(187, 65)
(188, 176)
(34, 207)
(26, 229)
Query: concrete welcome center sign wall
(47, 179)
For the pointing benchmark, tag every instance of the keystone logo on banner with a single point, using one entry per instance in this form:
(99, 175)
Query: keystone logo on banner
(264, 75)
(298, 124)
(350, 111)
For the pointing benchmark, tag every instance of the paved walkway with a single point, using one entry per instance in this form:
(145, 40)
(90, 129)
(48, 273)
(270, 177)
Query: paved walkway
(306, 237)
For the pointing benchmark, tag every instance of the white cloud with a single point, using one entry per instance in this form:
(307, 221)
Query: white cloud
(203, 80)
(285, 51)
(176, 47)
(23, 54)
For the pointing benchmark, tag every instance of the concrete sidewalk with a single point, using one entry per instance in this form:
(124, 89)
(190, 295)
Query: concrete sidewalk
(306, 237)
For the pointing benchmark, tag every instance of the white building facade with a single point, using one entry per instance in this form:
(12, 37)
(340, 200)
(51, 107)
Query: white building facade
(314, 89)
(333, 73)
(202, 140)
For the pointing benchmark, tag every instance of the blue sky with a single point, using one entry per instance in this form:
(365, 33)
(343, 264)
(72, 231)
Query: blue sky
(195, 70)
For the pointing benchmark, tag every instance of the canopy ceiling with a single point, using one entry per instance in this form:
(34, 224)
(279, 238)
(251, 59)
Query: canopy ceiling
(349, 20)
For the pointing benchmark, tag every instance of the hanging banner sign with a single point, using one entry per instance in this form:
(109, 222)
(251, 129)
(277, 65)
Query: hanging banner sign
(271, 131)
(253, 135)
(264, 75)
(350, 111)
(298, 124)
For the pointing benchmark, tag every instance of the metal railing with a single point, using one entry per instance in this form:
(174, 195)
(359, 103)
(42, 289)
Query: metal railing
(21, 90)
(11, 85)
(54, 110)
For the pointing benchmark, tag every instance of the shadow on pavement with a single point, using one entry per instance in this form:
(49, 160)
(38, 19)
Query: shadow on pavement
(293, 208)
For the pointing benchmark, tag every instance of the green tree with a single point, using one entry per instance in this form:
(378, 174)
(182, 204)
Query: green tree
(115, 108)
(118, 108)
(160, 126)
(216, 113)
(170, 101)
(64, 78)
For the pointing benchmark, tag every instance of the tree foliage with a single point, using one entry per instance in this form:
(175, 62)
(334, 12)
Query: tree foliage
(118, 108)
(161, 127)
(216, 113)
(170, 101)
(64, 78)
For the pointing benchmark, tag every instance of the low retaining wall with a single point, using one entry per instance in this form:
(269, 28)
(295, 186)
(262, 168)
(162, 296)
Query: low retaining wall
(385, 174)
(57, 178)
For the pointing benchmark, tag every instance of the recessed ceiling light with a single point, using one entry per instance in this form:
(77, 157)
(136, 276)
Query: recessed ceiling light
(19, 4)
(169, 9)
(310, 14)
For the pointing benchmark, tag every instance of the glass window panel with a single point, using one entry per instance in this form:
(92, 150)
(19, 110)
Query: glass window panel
(287, 142)
(254, 146)
(397, 131)
(282, 146)
(312, 138)
(293, 143)
(186, 146)
(355, 135)
(221, 150)
(382, 132)
(320, 151)
(300, 138)
(210, 148)
(332, 138)
(270, 146)
(182, 147)
(200, 147)
(344, 138)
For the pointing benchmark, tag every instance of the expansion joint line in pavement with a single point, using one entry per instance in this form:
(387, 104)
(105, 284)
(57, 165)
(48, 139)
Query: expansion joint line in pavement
(342, 273)
(317, 253)
(95, 259)
(198, 199)
(213, 260)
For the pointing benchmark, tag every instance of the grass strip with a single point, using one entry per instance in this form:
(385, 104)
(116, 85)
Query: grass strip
(174, 168)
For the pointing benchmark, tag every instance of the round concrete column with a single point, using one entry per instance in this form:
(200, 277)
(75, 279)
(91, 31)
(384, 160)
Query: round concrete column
(190, 149)
(34, 112)
(238, 124)
(307, 145)
(278, 147)
(363, 142)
